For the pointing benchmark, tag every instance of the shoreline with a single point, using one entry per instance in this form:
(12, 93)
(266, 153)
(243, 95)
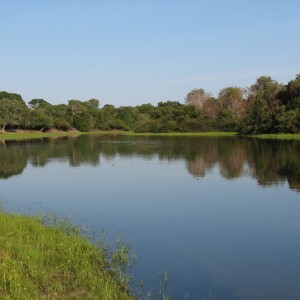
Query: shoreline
(25, 135)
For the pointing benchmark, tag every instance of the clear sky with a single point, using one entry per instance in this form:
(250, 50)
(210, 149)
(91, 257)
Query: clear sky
(139, 51)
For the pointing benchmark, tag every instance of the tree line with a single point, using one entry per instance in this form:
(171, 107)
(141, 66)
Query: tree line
(265, 107)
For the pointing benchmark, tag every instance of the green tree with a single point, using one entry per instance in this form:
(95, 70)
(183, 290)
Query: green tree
(60, 116)
(262, 106)
(42, 114)
(287, 121)
(258, 119)
(291, 95)
(145, 108)
(267, 90)
(12, 111)
(128, 116)
(11, 96)
(83, 122)
(93, 103)
(106, 117)
(80, 116)
(37, 103)
(41, 120)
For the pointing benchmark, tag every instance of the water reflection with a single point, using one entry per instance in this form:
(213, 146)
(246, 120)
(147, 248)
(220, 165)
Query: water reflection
(269, 162)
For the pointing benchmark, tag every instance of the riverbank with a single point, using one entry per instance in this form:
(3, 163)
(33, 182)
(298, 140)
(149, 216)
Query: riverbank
(278, 136)
(37, 134)
(54, 262)
(26, 135)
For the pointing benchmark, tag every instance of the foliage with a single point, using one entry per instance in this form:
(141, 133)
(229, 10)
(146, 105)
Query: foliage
(12, 110)
(11, 96)
(265, 107)
(265, 110)
(82, 122)
(35, 103)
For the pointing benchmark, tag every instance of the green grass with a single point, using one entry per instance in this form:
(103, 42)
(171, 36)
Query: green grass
(34, 135)
(279, 136)
(37, 135)
(55, 262)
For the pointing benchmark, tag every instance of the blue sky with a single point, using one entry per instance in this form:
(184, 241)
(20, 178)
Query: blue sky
(139, 51)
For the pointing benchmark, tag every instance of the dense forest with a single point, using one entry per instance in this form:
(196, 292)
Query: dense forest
(265, 107)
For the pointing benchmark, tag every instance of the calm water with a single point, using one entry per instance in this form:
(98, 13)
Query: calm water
(220, 215)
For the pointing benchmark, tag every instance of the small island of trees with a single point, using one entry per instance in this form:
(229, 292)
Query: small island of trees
(265, 107)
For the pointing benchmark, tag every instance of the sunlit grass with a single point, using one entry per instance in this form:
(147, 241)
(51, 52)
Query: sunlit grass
(34, 135)
(55, 262)
(37, 135)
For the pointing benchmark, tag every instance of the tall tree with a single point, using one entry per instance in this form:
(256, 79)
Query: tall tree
(291, 96)
(37, 103)
(232, 100)
(81, 119)
(197, 97)
(267, 90)
(42, 114)
(12, 110)
(93, 103)
(263, 104)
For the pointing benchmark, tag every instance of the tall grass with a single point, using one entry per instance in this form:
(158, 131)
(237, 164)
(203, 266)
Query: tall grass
(56, 262)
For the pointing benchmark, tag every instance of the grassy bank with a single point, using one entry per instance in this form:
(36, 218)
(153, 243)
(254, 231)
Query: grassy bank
(33, 135)
(37, 135)
(279, 136)
(54, 262)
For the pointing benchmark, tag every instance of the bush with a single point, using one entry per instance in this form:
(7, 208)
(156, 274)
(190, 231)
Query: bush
(83, 122)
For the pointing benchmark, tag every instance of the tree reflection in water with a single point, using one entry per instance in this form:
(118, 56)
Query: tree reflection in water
(270, 162)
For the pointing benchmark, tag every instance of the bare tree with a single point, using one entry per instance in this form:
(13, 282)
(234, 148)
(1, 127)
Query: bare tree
(232, 100)
(197, 97)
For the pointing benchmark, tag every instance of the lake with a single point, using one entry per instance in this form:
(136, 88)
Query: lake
(220, 215)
